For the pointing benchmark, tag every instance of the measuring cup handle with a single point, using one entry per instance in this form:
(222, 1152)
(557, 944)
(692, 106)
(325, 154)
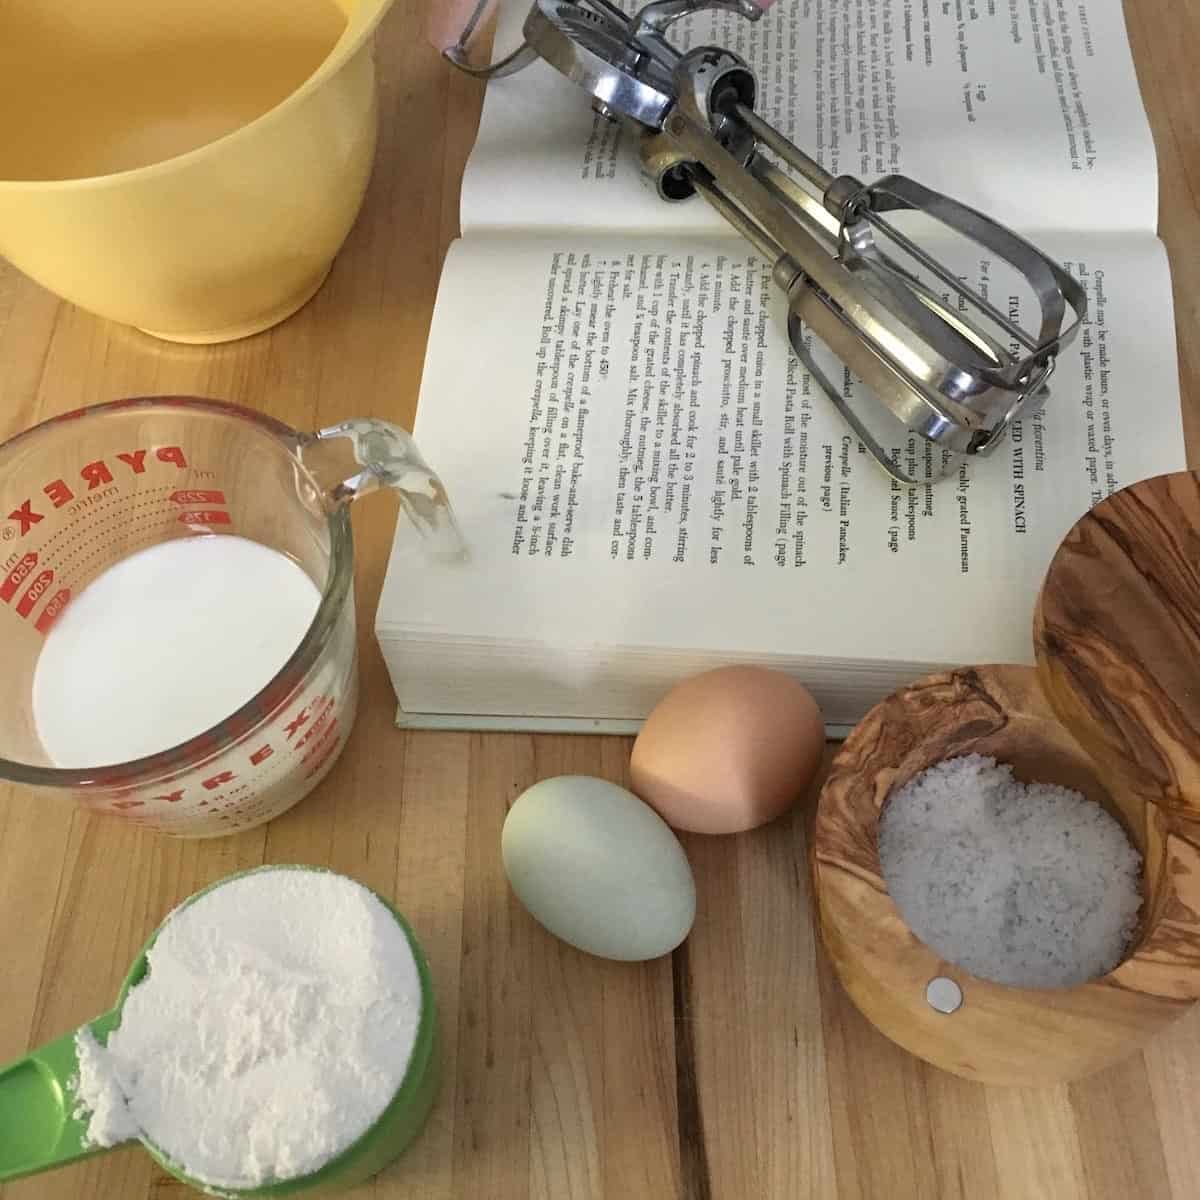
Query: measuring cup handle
(38, 1130)
(358, 456)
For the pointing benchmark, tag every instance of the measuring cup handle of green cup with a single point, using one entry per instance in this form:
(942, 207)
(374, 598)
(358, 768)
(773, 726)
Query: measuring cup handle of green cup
(355, 457)
(37, 1128)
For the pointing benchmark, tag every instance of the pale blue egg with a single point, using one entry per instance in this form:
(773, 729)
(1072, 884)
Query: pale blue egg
(599, 868)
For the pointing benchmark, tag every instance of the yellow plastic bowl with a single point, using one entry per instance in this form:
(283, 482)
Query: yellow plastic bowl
(190, 168)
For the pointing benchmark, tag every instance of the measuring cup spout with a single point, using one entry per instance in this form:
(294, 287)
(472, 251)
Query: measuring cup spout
(358, 456)
(38, 1130)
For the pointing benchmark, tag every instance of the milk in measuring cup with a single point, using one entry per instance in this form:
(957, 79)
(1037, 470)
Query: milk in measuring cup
(164, 645)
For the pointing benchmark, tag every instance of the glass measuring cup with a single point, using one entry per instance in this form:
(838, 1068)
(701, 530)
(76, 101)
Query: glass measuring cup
(39, 1130)
(82, 491)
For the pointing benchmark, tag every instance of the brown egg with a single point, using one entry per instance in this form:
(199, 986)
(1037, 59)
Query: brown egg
(728, 750)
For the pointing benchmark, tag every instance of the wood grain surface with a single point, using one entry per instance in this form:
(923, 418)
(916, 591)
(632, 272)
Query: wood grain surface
(1000, 1035)
(735, 1070)
(1117, 637)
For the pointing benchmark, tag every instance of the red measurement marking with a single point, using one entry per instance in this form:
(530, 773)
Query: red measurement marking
(25, 517)
(207, 516)
(37, 589)
(294, 726)
(18, 575)
(96, 473)
(323, 758)
(58, 492)
(321, 744)
(171, 797)
(198, 497)
(52, 611)
(315, 728)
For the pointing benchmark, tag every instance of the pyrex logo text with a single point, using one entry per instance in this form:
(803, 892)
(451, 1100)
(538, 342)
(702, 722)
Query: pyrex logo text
(95, 474)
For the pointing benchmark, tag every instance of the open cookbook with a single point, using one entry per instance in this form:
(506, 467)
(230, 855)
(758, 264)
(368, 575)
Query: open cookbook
(649, 482)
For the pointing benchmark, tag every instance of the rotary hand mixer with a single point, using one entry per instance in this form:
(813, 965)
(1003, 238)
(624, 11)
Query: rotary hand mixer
(947, 364)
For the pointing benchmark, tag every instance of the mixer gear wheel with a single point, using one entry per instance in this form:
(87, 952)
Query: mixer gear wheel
(595, 51)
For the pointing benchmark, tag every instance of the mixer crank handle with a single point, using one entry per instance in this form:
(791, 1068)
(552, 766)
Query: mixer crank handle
(518, 60)
(660, 14)
(38, 1128)
(456, 54)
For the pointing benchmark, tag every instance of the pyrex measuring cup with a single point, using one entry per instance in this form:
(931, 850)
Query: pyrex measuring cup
(40, 1131)
(82, 491)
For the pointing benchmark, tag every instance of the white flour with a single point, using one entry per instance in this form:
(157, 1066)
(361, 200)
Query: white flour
(275, 1024)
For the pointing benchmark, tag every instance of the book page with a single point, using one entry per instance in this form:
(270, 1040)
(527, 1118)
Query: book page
(1028, 109)
(637, 459)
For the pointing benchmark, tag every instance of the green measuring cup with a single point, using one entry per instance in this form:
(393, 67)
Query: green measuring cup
(39, 1132)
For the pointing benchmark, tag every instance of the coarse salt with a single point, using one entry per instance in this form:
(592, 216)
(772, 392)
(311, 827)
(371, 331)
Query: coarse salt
(275, 1024)
(1027, 885)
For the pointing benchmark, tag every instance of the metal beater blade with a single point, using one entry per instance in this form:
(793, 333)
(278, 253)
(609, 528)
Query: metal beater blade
(938, 356)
